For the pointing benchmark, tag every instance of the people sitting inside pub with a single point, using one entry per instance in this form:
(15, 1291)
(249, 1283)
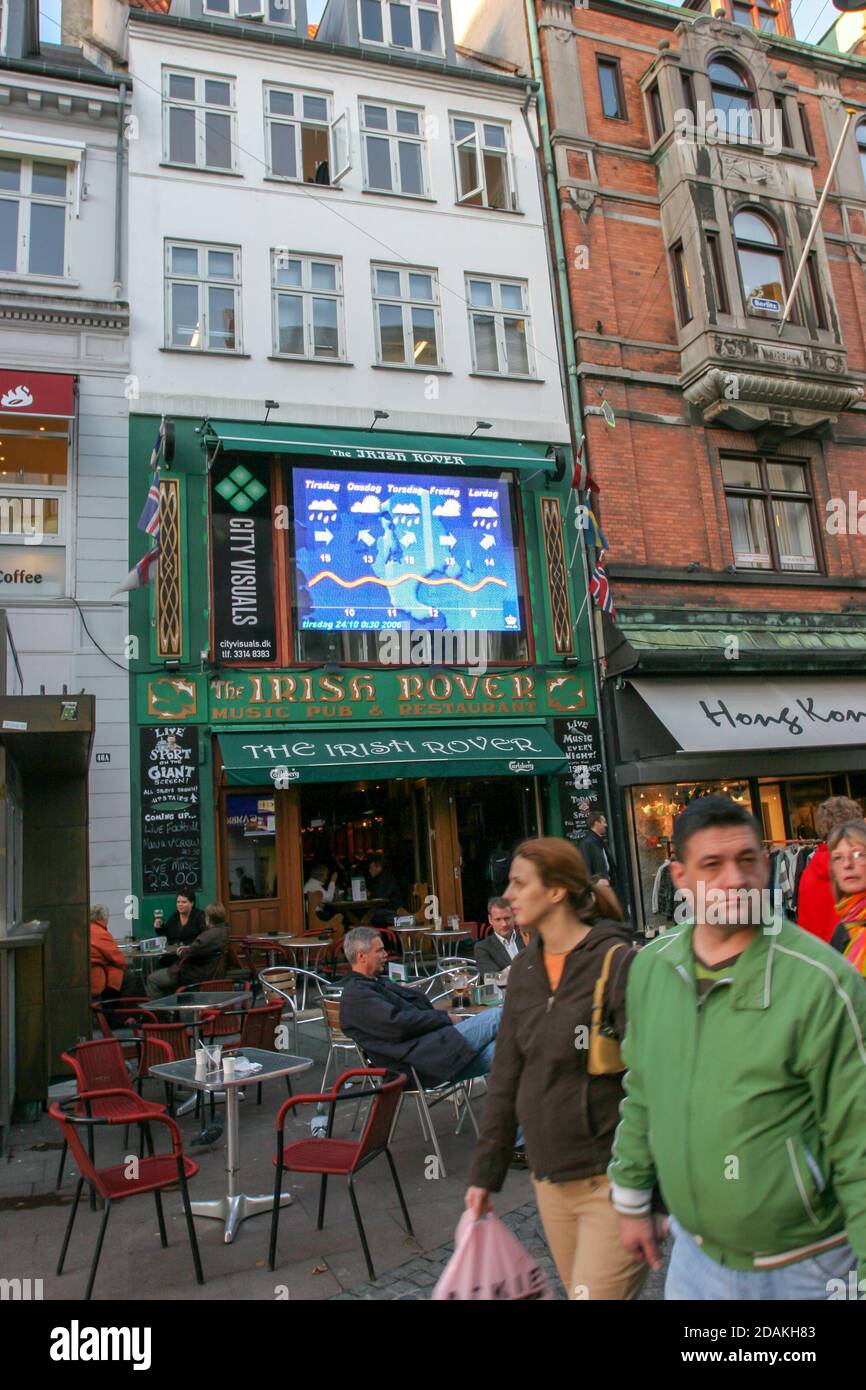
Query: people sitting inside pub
(381, 883)
(495, 952)
(319, 891)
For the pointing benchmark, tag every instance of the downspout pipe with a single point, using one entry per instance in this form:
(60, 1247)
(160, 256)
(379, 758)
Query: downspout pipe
(118, 193)
(573, 384)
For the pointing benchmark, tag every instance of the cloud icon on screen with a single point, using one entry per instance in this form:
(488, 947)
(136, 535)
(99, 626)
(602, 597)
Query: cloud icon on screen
(485, 511)
(370, 503)
(449, 508)
(322, 505)
(406, 509)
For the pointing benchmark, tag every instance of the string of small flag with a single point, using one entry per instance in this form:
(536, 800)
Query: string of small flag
(143, 571)
(589, 529)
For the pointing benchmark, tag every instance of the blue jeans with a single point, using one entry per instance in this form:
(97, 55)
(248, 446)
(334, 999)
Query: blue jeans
(480, 1032)
(693, 1275)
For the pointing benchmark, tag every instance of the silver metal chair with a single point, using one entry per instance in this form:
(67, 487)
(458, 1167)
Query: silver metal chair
(283, 982)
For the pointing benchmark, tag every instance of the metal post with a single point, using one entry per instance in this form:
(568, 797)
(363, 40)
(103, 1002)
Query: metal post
(813, 230)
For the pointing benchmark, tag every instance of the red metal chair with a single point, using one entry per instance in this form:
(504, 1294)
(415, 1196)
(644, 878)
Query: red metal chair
(111, 1014)
(154, 1173)
(226, 1022)
(163, 1042)
(340, 1156)
(99, 1066)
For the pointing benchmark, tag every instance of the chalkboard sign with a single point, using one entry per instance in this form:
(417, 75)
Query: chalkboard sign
(581, 788)
(170, 824)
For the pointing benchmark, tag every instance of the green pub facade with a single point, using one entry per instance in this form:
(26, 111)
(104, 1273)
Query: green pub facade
(296, 697)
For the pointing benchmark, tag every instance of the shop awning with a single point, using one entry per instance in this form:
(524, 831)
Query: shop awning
(379, 446)
(340, 755)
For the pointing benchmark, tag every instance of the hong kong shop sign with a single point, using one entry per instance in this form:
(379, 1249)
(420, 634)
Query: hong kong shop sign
(317, 696)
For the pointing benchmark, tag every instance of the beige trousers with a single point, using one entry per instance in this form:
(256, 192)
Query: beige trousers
(582, 1230)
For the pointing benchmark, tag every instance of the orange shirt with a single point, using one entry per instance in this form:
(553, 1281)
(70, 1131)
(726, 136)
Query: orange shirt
(554, 965)
(107, 961)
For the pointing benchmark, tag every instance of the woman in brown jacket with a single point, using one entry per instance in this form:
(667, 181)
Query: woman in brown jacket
(540, 1078)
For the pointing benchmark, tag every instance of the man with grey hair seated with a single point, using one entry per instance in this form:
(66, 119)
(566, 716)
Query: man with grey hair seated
(109, 977)
(398, 1027)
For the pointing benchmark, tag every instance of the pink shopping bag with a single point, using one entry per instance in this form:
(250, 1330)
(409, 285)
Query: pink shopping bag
(490, 1263)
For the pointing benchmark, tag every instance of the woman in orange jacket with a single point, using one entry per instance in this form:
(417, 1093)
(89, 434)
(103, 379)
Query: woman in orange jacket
(107, 963)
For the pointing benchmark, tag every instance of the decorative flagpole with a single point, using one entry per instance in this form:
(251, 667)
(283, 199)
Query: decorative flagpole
(813, 230)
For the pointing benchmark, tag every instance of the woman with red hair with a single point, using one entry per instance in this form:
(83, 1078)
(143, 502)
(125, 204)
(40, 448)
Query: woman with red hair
(543, 1077)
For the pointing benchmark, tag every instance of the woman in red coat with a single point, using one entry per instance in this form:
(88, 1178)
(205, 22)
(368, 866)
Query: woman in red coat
(816, 901)
(107, 963)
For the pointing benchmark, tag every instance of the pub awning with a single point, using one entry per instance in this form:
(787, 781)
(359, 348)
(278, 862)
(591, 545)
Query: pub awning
(380, 446)
(339, 755)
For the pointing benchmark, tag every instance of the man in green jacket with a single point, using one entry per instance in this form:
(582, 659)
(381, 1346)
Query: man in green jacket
(746, 1087)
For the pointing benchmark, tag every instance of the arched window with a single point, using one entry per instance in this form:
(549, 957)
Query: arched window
(732, 99)
(761, 259)
(861, 144)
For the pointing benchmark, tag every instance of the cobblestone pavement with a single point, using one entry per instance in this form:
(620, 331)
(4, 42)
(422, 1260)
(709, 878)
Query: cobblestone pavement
(415, 1280)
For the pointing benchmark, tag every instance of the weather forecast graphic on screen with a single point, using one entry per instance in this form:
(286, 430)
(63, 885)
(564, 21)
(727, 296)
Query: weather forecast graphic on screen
(379, 550)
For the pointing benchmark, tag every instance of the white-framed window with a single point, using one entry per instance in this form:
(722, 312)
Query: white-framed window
(299, 135)
(394, 153)
(500, 326)
(408, 323)
(307, 295)
(202, 297)
(413, 24)
(199, 119)
(483, 163)
(34, 212)
(269, 11)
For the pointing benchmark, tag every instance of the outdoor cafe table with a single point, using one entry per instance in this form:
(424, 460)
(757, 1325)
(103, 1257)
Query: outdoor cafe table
(235, 1206)
(192, 1007)
(445, 942)
(413, 950)
(305, 952)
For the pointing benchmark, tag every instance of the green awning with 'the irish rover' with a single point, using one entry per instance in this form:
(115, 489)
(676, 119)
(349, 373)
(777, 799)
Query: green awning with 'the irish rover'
(287, 757)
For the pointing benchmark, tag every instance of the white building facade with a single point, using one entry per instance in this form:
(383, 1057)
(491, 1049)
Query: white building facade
(63, 412)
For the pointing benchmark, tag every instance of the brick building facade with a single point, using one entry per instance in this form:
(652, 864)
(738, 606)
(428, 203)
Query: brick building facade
(690, 153)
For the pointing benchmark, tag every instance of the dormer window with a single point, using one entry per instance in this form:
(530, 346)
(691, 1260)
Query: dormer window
(411, 24)
(760, 15)
(268, 11)
(732, 99)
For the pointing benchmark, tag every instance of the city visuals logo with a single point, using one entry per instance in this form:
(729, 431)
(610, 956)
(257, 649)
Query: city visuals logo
(77, 1343)
(240, 489)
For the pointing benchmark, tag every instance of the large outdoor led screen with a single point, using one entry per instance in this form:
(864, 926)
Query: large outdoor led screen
(384, 550)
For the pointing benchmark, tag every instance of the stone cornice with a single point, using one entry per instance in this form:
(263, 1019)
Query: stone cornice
(49, 309)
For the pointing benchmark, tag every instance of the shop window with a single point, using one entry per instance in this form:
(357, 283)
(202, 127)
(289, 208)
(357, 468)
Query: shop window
(482, 156)
(732, 99)
(34, 462)
(34, 210)
(202, 297)
(198, 117)
(761, 258)
(273, 11)
(251, 839)
(611, 88)
(415, 24)
(499, 326)
(717, 274)
(654, 813)
(308, 306)
(298, 135)
(771, 515)
(406, 309)
(393, 141)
